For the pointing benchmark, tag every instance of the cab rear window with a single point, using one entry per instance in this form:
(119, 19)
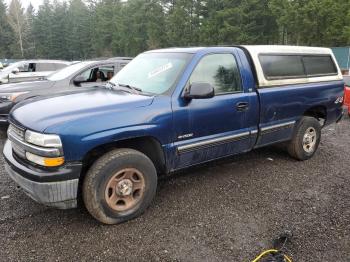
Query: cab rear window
(296, 66)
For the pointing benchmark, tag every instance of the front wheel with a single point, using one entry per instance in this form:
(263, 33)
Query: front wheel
(306, 139)
(119, 186)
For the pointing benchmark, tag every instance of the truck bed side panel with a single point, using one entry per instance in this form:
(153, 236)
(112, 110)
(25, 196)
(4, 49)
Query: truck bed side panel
(282, 107)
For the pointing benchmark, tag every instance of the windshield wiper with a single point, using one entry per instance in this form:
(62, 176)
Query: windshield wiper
(135, 89)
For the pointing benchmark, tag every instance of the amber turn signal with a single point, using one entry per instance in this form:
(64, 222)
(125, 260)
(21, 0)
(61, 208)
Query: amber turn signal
(45, 161)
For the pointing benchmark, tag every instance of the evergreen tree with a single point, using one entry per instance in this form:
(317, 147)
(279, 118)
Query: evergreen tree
(78, 30)
(239, 22)
(155, 24)
(140, 27)
(81, 29)
(43, 34)
(212, 22)
(346, 30)
(6, 33)
(183, 22)
(105, 25)
(312, 22)
(16, 19)
(258, 25)
(28, 32)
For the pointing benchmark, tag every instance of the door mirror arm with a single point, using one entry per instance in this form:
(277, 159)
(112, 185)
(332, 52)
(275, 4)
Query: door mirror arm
(15, 71)
(78, 80)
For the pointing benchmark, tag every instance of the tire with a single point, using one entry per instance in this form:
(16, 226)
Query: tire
(107, 184)
(298, 146)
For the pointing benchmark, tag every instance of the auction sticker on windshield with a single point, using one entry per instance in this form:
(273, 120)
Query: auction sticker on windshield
(160, 70)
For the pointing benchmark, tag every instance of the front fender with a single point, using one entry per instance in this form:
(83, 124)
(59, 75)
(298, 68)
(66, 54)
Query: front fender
(76, 149)
(81, 136)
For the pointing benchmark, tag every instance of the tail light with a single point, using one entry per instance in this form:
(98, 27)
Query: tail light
(347, 95)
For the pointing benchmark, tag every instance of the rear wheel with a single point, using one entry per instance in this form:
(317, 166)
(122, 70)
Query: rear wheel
(306, 139)
(119, 186)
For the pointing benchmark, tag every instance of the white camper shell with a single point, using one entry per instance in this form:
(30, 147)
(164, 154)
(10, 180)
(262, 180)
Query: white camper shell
(277, 65)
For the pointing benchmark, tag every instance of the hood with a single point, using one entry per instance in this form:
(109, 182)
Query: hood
(25, 86)
(39, 114)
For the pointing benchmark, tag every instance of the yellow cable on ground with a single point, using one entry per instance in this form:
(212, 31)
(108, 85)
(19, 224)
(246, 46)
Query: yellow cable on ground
(269, 252)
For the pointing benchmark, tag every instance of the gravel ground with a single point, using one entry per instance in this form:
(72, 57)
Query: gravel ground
(225, 211)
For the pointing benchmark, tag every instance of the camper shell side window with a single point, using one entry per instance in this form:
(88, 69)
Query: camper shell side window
(292, 66)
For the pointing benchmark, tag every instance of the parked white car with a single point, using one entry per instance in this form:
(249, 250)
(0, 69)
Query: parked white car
(30, 70)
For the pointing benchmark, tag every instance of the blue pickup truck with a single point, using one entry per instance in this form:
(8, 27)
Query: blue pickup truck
(168, 110)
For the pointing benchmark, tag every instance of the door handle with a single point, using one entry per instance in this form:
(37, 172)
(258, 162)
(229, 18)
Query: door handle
(242, 106)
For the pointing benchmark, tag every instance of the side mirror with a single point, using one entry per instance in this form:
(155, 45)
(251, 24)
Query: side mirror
(78, 80)
(199, 91)
(15, 71)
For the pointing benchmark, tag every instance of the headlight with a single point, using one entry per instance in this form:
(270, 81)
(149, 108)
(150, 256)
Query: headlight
(43, 140)
(47, 141)
(11, 96)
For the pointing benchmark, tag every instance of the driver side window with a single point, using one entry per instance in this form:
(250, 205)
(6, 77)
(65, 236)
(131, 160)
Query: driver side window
(220, 71)
(23, 68)
(96, 74)
(86, 75)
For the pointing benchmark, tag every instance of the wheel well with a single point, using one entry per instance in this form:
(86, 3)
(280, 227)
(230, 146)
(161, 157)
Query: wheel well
(146, 145)
(318, 112)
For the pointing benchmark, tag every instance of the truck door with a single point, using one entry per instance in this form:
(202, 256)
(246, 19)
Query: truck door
(207, 129)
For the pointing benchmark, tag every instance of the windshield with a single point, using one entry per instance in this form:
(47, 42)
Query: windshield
(152, 73)
(11, 67)
(67, 71)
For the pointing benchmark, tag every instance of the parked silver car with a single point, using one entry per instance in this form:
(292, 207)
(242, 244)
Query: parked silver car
(30, 70)
(82, 76)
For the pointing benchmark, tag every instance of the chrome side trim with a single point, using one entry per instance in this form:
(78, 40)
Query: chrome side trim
(48, 152)
(212, 142)
(254, 132)
(279, 126)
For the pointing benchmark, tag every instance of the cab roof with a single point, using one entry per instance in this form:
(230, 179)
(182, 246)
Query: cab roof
(190, 50)
(252, 49)
(46, 61)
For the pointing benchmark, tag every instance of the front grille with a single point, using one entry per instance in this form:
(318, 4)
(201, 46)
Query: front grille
(18, 150)
(19, 146)
(16, 131)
